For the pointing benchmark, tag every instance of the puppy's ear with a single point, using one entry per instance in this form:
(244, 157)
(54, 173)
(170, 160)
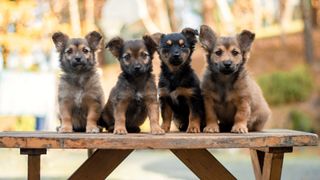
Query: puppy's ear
(93, 39)
(156, 37)
(245, 39)
(191, 35)
(149, 42)
(60, 40)
(207, 38)
(115, 46)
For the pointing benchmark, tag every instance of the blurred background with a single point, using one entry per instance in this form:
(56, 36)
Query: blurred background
(285, 61)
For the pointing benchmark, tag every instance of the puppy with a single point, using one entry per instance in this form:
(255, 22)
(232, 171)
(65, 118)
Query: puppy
(80, 95)
(179, 87)
(233, 100)
(135, 95)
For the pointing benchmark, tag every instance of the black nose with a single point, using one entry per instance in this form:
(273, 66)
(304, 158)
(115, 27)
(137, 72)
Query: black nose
(227, 63)
(77, 59)
(137, 67)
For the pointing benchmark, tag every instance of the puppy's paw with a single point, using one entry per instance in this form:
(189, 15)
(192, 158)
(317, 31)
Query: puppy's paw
(239, 128)
(214, 128)
(165, 127)
(193, 129)
(120, 131)
(65, 129)
(92, 129)
(157, 130)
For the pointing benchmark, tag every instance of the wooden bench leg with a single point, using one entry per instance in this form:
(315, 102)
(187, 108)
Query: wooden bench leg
(203, 164)
(33, 162)
(267, 162)
(100, 164)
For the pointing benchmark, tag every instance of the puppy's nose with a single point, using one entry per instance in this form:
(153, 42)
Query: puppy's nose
(77, 59)
(137, 67)
(227, 63)
(176, 54)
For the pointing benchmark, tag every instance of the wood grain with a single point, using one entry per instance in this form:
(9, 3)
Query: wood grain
(49, 140)
(100, 164)
(203, 164)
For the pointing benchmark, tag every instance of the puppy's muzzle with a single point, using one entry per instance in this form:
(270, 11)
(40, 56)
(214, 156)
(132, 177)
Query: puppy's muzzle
(227, 67)
(175, 59)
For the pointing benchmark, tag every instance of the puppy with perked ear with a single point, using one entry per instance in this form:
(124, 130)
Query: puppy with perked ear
(233, 100)
(179, 87)
(134, 97)
(80, 95)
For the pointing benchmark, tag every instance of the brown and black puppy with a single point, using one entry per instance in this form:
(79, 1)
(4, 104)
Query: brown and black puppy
(135, 95)
(179, 87)
(233, 100)
(80, 94)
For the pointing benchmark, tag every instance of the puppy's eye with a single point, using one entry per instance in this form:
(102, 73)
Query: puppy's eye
(234, 52)
(219, 52)
(144, 55)
(85, 50)
(126, 57)
(69, 51)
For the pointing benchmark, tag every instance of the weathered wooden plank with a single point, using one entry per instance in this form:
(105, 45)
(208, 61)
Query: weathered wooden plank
(100, 164)
(257, 159)
(270, 138)
(203, 164)
(33, 162)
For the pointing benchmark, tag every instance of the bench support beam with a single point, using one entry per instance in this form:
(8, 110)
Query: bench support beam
(203, 163)
(33, 162)
(267, 162)
(100, 164)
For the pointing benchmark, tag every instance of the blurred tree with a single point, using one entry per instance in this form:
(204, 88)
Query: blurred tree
(316, 13)
(171, 14)
(159, 14)
(307, 31)
(208, 8)
(75, 17)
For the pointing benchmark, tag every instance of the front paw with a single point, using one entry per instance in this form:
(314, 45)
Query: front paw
(239, 128)
(165, 127)
(65, 129)
(92, 129)
(157, 130)
(193, 129)
(120, 131)
(214, 128)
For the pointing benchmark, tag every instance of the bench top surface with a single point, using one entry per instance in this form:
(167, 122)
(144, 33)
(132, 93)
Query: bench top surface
(267, 138)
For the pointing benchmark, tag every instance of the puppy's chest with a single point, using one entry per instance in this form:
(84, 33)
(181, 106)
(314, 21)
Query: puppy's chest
(224, 95)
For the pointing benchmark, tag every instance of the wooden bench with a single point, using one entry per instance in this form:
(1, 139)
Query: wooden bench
(266, 148)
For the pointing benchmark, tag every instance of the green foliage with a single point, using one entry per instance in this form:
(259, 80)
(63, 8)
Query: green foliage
(285, 87)
(300, 121)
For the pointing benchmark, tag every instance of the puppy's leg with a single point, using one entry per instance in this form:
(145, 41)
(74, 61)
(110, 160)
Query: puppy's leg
(65, 107)
(94, 112)
(194, 115)
(120, 117)
(211, 117)
(166, 113)
(153, 114)
(242, 116)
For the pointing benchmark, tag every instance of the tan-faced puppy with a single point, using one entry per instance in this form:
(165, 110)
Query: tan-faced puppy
(135, 95)
(179, 87)
(80, 94)
(233, 100)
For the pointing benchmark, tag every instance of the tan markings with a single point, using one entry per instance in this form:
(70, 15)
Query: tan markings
(181, 42)
(66, 116)
(94, 111)
(242, 116)
(153, 114)
(194, 120)
(180, 91)
(166, 113)
(211, 117)
(120, 117)
(163, 92)
(169, 42)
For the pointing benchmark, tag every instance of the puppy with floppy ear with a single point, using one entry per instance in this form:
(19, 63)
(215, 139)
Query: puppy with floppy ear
(80, 95)
(233, 100)
(134, 97)
(179, 87)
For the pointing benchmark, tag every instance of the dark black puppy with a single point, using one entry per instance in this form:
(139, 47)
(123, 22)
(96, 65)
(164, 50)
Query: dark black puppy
(179, 87)
(135, 95)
